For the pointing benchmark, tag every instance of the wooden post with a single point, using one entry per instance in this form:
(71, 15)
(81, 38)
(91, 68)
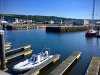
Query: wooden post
(2, 50)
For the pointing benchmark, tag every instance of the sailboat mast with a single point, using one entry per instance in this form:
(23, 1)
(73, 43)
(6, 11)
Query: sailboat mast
(93, 12)
(2, 11)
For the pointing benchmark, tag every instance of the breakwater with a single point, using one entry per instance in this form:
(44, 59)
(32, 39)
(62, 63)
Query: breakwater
(67, 28)
(19, 27)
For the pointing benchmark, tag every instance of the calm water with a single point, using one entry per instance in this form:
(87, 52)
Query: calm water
(59, 43)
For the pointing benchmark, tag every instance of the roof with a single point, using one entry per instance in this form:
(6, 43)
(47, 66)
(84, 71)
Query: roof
(3, 22)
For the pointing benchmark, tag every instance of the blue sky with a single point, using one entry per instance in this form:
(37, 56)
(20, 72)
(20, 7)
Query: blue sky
(80, 9)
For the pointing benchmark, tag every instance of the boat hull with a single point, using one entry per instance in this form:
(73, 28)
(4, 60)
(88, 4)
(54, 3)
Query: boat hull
(26, 65)
(90, 34)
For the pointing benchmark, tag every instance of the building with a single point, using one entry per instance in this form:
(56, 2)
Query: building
(57, 21)
(20, 20)
(80, 22)
(29, 21)
(86, 22)
(51, 22)
(16, 20)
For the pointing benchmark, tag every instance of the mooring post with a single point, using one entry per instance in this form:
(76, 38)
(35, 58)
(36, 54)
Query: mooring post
(2, 50)
(98, 31)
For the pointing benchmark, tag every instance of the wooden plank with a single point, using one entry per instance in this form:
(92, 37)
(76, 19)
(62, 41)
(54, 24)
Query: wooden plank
(93, 68)
(4, 73)
(65, 64)
(18, 54)
(25, 47)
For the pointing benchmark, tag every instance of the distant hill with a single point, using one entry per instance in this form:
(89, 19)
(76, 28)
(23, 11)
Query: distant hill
(37, 18)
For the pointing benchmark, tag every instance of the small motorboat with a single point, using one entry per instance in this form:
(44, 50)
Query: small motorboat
(90, 32)
(34, 61)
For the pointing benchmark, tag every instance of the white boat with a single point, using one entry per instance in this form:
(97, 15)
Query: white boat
(90, 32)
(34, 61)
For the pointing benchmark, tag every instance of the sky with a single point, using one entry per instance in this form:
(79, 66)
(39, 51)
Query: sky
(79, 9)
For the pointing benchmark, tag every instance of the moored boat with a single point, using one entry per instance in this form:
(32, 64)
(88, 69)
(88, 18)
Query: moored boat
(34, 61)
(90, 32)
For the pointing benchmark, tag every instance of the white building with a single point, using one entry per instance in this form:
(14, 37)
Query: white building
(86, 22)
(20, 20)
(80, 22)
(29, 21)
(68, 22)
(51, 22)
(16, 20)
(58, 21)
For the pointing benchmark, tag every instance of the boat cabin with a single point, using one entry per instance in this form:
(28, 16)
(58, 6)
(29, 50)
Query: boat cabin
(39, 57)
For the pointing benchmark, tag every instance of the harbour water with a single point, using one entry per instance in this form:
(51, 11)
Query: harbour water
(59, 43)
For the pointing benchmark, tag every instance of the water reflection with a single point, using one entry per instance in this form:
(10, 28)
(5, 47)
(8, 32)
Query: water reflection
(90, 46)
(97, 41)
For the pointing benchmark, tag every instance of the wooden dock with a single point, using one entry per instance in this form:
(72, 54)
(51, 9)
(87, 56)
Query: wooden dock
(94, 66)
(25, 50)
(36, 70)
(21, 47)
(7, 46)
(66, 64)
(4, 73)
(18, 54)
(98, 35)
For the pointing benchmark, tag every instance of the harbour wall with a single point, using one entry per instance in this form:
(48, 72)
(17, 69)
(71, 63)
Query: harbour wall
(67, 28)
(19, 27)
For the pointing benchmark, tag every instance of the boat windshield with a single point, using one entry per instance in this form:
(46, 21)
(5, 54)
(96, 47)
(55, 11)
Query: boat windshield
(34, 58)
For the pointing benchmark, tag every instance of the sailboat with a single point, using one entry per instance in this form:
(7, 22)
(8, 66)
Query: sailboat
(90, 31)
